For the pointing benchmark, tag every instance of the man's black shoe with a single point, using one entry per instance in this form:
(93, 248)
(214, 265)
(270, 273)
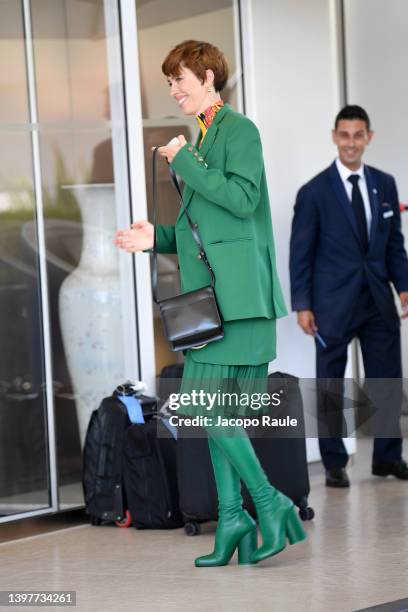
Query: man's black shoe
(399, 469)
(337, 477)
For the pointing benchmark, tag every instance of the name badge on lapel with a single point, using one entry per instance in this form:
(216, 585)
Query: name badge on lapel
(387, 213)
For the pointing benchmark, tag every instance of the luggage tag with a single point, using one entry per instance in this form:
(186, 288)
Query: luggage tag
(134, 408)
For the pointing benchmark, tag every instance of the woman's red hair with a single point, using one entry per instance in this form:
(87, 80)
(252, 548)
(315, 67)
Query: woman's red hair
(198, 57)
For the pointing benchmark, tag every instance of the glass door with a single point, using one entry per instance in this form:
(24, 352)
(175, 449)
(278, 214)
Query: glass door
(24, 458)
(69, 333)
(160, 26)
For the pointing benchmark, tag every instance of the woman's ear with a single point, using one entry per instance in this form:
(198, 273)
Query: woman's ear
(209, 80)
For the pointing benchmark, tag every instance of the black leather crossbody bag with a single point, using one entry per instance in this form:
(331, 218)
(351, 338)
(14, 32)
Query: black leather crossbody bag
(190, 320)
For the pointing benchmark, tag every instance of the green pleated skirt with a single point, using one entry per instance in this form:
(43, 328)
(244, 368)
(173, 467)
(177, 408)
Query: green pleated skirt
(225, 391)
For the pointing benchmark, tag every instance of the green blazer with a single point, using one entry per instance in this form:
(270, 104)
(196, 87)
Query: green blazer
(227, 196)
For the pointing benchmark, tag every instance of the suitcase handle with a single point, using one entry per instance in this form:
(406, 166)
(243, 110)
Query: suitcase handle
(105, 448)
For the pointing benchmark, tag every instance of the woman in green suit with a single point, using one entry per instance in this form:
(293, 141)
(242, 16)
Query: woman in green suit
(226, 195)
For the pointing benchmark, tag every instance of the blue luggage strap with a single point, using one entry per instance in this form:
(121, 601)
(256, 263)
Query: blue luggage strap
(135, 413)
(134, 408)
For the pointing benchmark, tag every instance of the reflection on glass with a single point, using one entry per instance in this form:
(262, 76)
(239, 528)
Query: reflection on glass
(24, 483)
(13, 88)
(161, 25)
(23, 439)
(71, 59)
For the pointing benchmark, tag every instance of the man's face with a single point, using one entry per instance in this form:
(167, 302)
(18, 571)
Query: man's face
(351, 138)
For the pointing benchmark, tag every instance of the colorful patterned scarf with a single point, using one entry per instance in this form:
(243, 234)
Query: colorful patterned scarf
(206, 118)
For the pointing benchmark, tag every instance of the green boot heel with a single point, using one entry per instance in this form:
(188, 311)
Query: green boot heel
(294, 530)
(278, 522)
(232, 532)
(247, 546)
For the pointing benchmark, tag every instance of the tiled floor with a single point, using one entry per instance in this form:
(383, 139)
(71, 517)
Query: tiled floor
(356, 556)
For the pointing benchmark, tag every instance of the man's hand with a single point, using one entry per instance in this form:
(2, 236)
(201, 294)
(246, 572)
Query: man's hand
(171, 151)
(404, 304)
(306, 320)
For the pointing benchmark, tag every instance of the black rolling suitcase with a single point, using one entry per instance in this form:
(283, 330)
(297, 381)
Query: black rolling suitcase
(120, 459)
(150, 476)
(169, 381)
(283, 459)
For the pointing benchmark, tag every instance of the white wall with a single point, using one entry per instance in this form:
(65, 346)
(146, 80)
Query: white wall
(295, 78)
(295, 105)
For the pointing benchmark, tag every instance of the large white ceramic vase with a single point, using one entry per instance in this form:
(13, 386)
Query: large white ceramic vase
(90, 305)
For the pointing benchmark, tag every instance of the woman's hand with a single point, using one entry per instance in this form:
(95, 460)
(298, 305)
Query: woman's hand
(170, 151)
(139, 238)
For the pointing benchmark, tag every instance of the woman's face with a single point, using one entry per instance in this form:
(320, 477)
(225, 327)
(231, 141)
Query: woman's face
(191, 95)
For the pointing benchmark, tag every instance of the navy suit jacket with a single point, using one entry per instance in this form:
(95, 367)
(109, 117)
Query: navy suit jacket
(328, 265)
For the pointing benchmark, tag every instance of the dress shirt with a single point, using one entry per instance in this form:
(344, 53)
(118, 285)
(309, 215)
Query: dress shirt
(362, 183)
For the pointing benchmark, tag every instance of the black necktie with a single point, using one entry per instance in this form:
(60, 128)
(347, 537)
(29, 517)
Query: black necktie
(359, 211)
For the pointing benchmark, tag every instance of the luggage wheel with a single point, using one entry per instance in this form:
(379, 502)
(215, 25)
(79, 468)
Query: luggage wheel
(192, 529)
(306, 513)
(125, 522)
(94, 520)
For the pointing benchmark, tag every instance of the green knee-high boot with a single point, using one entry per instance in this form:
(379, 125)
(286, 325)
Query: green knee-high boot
(235, 527)
(277, 518)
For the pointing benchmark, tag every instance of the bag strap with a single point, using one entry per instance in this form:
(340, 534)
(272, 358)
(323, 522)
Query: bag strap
(193, 226)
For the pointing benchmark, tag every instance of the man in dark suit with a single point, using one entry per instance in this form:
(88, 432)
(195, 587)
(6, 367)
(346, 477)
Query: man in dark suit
(346, 248)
